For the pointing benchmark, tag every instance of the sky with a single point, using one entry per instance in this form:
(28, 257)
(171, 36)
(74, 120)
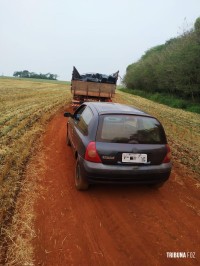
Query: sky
(94, 36)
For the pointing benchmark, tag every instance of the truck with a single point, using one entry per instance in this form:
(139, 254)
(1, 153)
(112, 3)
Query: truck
(92, 87)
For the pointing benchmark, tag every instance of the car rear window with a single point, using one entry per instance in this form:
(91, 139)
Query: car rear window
(130, 129)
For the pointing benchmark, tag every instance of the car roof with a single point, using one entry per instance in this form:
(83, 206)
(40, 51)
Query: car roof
(115, 108)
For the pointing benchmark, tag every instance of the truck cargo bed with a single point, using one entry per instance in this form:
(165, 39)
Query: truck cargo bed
(84, 88)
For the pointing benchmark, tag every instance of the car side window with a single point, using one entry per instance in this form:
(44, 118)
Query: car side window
(78, 112)
(84, 120)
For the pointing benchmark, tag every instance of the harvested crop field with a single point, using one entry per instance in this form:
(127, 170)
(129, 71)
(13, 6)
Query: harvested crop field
(25, 107)
(51, 223)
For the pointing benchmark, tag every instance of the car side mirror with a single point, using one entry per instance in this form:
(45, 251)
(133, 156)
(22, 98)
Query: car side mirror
(68, 115)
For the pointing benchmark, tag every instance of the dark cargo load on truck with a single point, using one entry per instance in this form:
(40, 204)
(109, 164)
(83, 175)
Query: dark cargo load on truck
(95, 77)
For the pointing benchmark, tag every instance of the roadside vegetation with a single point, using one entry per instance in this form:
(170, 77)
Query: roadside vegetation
(25, 108)
(171, 69)
(167, 99)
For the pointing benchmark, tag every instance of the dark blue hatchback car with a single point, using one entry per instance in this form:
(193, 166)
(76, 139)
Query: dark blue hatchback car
(117, 144)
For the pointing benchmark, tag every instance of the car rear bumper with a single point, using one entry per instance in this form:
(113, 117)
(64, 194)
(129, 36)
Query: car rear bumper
(102, 173)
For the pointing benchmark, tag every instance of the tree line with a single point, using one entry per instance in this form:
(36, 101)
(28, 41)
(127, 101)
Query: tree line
(27, 74)
(172, 68)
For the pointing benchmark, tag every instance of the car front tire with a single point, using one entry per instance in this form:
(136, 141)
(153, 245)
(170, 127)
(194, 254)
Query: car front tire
(68, 141)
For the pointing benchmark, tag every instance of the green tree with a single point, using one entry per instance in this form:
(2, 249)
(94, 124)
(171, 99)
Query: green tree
(197, 28)
(172, 68)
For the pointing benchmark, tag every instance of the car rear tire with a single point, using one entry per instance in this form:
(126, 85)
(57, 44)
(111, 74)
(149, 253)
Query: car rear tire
(80, 182)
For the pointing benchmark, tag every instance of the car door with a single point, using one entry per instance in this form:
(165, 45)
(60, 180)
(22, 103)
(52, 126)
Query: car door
(81, 131)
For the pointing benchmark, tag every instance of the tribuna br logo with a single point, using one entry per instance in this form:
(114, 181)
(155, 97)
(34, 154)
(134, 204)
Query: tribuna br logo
(179, 255)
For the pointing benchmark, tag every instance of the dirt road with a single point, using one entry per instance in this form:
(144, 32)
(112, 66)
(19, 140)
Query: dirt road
(112, 225)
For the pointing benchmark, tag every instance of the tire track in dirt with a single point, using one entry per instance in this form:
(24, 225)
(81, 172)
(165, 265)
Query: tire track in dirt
(111, 225)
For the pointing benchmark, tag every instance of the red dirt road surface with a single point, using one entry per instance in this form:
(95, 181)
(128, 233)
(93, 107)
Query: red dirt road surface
(112, 225)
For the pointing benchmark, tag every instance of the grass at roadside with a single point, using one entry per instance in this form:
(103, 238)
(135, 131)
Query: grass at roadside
(166, 99)
(25, 107)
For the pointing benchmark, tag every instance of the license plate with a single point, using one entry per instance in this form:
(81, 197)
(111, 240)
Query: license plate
(134, 158)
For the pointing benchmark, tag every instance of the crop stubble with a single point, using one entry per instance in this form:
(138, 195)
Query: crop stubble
(25, 107)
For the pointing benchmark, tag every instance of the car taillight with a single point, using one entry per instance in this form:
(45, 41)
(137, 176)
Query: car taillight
(91, 153)
(167, 158)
